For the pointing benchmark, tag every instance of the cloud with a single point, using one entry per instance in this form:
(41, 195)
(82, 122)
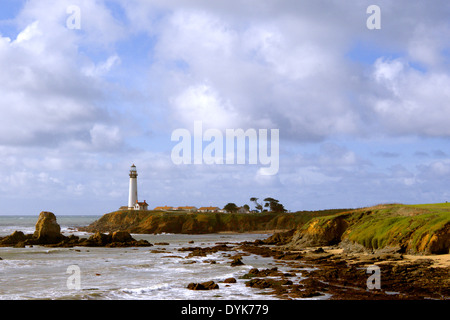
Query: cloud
(203, 103)
(105, 137)
(410, 102)
(79, 105)
(52, 94)
(262, 72)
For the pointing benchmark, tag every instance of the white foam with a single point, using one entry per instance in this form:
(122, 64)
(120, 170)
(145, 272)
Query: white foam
(124, 273)
(146, 290)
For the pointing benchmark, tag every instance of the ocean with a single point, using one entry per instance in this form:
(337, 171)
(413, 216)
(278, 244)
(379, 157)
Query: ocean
(122, 273)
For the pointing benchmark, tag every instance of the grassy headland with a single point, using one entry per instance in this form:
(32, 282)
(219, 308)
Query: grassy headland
(407, 228)
(198, 223)
(402, 228)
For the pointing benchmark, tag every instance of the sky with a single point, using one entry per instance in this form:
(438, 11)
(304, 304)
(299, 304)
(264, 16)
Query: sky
(90, 87)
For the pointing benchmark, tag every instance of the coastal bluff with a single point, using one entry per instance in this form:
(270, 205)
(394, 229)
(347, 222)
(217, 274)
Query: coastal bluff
(390, 228)
(154, 222)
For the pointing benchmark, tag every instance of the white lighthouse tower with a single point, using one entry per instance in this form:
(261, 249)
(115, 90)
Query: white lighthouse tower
(132, 197)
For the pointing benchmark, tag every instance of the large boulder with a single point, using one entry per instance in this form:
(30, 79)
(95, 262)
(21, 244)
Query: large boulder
(121, 236)
(47, 230)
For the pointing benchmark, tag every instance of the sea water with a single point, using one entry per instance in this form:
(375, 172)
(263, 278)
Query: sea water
(40, 272)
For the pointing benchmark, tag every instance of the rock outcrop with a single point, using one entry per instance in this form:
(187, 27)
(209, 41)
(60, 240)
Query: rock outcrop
(13, 239)
(114, 239)
(209, 285)
(321, 232)
(48, 233)
(48, 230)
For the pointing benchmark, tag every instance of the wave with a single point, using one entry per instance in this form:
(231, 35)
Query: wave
(146, 290)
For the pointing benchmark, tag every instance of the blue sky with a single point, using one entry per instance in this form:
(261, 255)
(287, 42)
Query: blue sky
(362, 114)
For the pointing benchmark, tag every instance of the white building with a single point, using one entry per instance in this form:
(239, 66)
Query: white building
(132, 195)
(133, 203)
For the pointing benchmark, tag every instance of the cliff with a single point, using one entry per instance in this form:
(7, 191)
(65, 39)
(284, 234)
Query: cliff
(423, 229)
(148, 222)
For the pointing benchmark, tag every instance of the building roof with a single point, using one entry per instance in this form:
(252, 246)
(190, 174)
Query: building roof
(163, 208)
(209, 208)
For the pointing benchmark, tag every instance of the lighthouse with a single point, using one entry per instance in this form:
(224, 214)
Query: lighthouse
(132, 196)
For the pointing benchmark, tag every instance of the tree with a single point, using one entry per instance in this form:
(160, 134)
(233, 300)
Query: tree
(257, 205)
(246, 207)
(274, 205)
(231, 207)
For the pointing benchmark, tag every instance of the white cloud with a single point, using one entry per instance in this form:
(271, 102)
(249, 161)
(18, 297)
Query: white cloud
(102, 68)
(105, 137)
(30, 32)
(411, 102)
(202, 102)
(245, 64)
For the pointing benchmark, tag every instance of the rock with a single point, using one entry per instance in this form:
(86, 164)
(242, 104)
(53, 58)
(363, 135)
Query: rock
(143, 243)
(209, 285)
(48, 230)
(350, 247)
(320, 233)
(20, 244)
(162, 243)
(262, 273)
(288, 256)
(279, 238)
(14, 238)
(157, 251)
(100, 239)
(299, 292)
(237, 261)
(439, 242)
(267, 283)
(229, 280)
(121, 236)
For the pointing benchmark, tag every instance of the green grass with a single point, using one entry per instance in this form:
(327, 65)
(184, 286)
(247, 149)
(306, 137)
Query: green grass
(178, 222)
(398, 225)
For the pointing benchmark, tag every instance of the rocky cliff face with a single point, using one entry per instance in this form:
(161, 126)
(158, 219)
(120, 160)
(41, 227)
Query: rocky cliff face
(192, 223)
(321, 232)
